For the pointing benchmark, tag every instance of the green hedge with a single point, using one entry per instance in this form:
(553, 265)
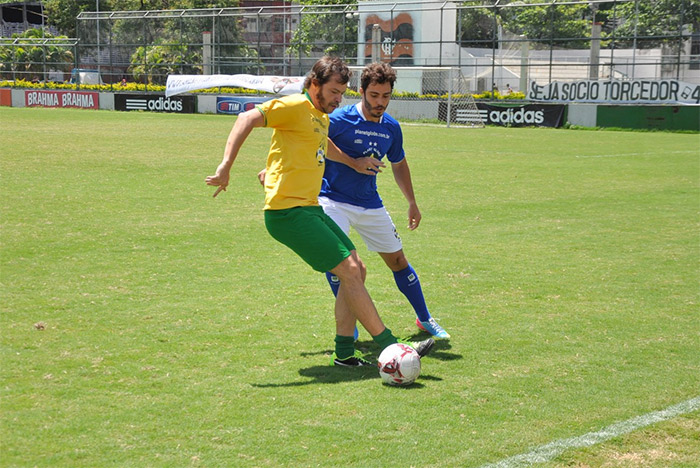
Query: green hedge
(22, 84)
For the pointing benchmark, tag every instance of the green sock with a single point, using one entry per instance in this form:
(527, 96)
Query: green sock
(344, 346)
(385, 338)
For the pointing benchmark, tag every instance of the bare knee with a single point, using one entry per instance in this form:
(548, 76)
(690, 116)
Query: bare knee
(351, 269)
(396, 261)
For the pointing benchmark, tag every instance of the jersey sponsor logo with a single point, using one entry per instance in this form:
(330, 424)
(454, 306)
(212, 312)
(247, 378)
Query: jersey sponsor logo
(318, 121)
(373, 150)
(371, 133)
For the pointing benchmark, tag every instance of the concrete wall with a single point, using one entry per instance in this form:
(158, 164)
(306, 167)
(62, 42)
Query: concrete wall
(666, 117)
(583, 115)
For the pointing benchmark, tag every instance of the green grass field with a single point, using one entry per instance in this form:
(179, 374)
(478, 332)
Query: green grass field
(146, 324)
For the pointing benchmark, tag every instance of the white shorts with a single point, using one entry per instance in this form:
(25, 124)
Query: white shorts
(374, 225)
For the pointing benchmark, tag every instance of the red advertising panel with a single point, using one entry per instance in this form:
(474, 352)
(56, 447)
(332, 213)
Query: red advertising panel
(47, 98)
(5, 97)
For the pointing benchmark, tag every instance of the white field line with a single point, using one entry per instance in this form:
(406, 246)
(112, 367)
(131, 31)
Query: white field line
(553, 449)
(582, 156)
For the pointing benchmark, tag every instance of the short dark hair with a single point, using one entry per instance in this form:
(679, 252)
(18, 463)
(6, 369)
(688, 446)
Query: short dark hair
(377, 73)
(325, 68)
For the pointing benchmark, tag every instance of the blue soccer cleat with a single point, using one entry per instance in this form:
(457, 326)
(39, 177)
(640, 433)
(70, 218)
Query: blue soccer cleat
(432, 327)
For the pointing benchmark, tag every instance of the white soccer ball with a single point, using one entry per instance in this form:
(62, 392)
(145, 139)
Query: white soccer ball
(399, 364)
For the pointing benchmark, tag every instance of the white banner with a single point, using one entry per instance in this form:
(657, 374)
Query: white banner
(617, 91)
(178, 84)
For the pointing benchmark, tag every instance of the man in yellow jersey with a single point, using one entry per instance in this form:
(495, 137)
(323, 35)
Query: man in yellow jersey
(295, 166)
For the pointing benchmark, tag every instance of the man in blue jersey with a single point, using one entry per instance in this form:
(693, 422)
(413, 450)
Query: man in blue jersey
(349, 191)
(366, 133)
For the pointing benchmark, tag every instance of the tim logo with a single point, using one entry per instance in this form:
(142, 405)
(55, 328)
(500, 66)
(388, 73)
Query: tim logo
(233, 106)
(228, 107)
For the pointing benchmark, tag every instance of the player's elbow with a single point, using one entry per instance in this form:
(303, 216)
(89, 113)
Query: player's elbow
(250, 119)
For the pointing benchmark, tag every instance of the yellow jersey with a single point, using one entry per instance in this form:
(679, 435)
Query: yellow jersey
(297, 154)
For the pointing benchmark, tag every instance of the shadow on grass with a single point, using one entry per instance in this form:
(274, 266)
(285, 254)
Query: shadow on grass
(440, 351)
(326, 374)
(334, 375)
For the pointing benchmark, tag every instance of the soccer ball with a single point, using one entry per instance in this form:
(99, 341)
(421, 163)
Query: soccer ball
(399, 364)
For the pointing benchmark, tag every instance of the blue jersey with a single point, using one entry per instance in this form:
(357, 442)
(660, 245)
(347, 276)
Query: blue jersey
(359, 137)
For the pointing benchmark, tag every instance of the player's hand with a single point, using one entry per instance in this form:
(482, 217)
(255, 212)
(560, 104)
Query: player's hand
(220, 179)
(414, 216)
(368, 165)
(261, 177)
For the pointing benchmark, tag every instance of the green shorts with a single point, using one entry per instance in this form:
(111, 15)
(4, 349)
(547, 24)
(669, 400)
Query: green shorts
(311, 234)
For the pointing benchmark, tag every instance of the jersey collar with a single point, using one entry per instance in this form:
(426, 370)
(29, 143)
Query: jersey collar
(359, 111)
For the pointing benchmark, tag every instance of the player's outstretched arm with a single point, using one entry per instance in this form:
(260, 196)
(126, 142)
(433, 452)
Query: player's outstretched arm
(363, 165)
(240, 131)
(402, 175)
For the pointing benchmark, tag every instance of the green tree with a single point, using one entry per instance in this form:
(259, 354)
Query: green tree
(63, 13)
(569, 25)
(476, 26)
(33, 58)
(333, 32)
(564, 26)
(154, 63)
(654, 18)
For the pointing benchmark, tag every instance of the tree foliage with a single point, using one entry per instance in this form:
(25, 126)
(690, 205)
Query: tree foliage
(331, 33)
(569, 25)
(543, 25)
(62, 13)
(152, 64)
(34, 59)
(654, 18)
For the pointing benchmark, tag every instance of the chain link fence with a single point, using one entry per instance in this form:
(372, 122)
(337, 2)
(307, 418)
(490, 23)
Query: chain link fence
(494, 46)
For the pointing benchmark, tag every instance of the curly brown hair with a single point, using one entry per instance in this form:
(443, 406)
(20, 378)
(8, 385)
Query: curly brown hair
(325, 68)
(377, 73)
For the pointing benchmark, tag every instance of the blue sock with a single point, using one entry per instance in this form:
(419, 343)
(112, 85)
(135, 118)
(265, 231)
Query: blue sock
(409, 284)
(334, 282)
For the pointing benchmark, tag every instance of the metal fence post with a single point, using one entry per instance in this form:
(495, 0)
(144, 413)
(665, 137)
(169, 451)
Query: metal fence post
(449, 96)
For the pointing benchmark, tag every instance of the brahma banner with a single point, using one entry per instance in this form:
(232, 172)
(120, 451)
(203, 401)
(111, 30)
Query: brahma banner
(617, 92)
(47, 98)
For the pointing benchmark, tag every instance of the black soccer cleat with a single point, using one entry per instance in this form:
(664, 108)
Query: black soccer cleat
(355, 360)
(421, 347)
